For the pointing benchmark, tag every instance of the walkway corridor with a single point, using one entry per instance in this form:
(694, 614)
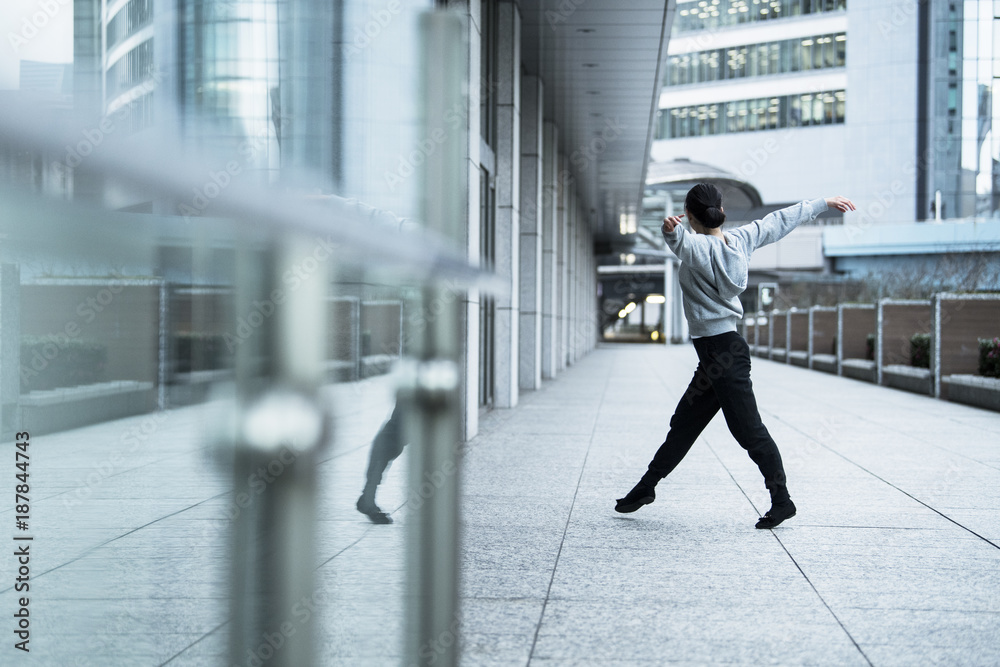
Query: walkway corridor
(893, 559)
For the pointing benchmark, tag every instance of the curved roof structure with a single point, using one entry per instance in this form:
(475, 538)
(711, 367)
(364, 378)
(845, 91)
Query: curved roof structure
(684, 172)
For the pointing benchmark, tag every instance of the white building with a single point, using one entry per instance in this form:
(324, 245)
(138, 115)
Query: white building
(886, 102)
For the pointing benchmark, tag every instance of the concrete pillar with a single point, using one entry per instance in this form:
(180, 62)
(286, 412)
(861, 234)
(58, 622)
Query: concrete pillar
(508, 175)
(572, 240)
(550, 238)
(470, 309)
(565, 189)
(581, 289)
(10, 349)
(530, 292)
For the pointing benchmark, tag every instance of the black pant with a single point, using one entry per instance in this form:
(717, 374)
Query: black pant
(721, 381)
(388, 445)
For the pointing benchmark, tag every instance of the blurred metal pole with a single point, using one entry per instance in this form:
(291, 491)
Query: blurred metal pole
(281, 427)
(281, 424)
(431, 391)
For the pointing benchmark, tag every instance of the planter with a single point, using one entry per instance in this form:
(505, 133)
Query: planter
(377, 364)
(799, 358)
(908, 378)
(825, 362)
(194, 387)
(982, 392)
(859, 369)
(54, 410)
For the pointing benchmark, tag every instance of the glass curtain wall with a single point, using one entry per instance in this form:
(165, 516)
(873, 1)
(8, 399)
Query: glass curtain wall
(708, 14)
(205, 350)
(965, 148)
(738, 62)
(764, 113)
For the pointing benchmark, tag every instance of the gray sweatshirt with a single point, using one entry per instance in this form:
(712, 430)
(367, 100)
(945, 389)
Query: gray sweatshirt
(713, 272)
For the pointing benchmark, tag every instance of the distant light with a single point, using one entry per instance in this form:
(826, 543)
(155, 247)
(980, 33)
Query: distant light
(622, 314)
(656, 298)
(655, 335)
(630, 307)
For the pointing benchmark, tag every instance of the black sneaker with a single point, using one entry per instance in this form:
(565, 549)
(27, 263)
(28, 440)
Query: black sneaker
(372, 511)
(777, 514)
(640, 495)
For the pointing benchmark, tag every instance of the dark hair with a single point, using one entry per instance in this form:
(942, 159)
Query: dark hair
(704, 201)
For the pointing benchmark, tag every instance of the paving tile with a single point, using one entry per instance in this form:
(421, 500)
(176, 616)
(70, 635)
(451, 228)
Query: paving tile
(891, 547)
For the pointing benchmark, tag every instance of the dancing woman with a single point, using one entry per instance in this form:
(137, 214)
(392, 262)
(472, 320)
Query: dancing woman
(713, 273)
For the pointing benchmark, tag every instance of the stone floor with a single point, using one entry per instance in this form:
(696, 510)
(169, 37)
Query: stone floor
(893, 559)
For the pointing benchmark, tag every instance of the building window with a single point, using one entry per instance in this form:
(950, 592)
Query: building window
(134, 16)
(763, 113)
(737, 62)
(488, 72)
(130, 70)
(487, 306)
(707, 15)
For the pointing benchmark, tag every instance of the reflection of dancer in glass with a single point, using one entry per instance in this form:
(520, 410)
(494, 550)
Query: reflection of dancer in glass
(386, 447)
(712, 275)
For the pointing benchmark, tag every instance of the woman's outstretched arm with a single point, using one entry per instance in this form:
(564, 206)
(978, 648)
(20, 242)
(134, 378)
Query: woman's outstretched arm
(775, 226)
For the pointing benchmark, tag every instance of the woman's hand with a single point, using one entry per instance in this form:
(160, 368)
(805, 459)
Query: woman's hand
(670, 223)
(842, 204)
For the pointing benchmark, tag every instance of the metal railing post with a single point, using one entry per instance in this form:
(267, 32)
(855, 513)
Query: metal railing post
(280, 428)
(431, 388)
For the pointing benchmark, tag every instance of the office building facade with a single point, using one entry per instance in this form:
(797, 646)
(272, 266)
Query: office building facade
(890, 102)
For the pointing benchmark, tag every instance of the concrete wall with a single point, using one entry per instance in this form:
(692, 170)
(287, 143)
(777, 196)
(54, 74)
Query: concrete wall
(823, 330)
(855, 323)
(959, 321)
(798, 339)
(898, 321)
(123, 317)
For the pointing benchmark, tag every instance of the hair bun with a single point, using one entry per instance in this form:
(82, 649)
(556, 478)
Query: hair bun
(704, 201)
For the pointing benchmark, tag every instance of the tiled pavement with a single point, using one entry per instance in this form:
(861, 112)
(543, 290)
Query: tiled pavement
(893, 559)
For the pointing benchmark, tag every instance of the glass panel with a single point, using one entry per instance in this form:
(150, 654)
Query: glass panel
(226, 310)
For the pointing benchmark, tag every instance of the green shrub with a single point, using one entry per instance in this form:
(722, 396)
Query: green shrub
(48, 362)
(920, 350)
(989, 357)
(870, 347)
(200, 352)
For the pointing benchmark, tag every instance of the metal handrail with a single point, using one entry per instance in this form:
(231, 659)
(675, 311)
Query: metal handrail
(409, 249)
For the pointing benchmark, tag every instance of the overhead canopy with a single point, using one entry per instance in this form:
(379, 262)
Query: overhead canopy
(600, 62)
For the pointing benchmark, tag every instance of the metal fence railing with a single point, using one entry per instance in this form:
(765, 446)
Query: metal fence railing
(256, 303)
